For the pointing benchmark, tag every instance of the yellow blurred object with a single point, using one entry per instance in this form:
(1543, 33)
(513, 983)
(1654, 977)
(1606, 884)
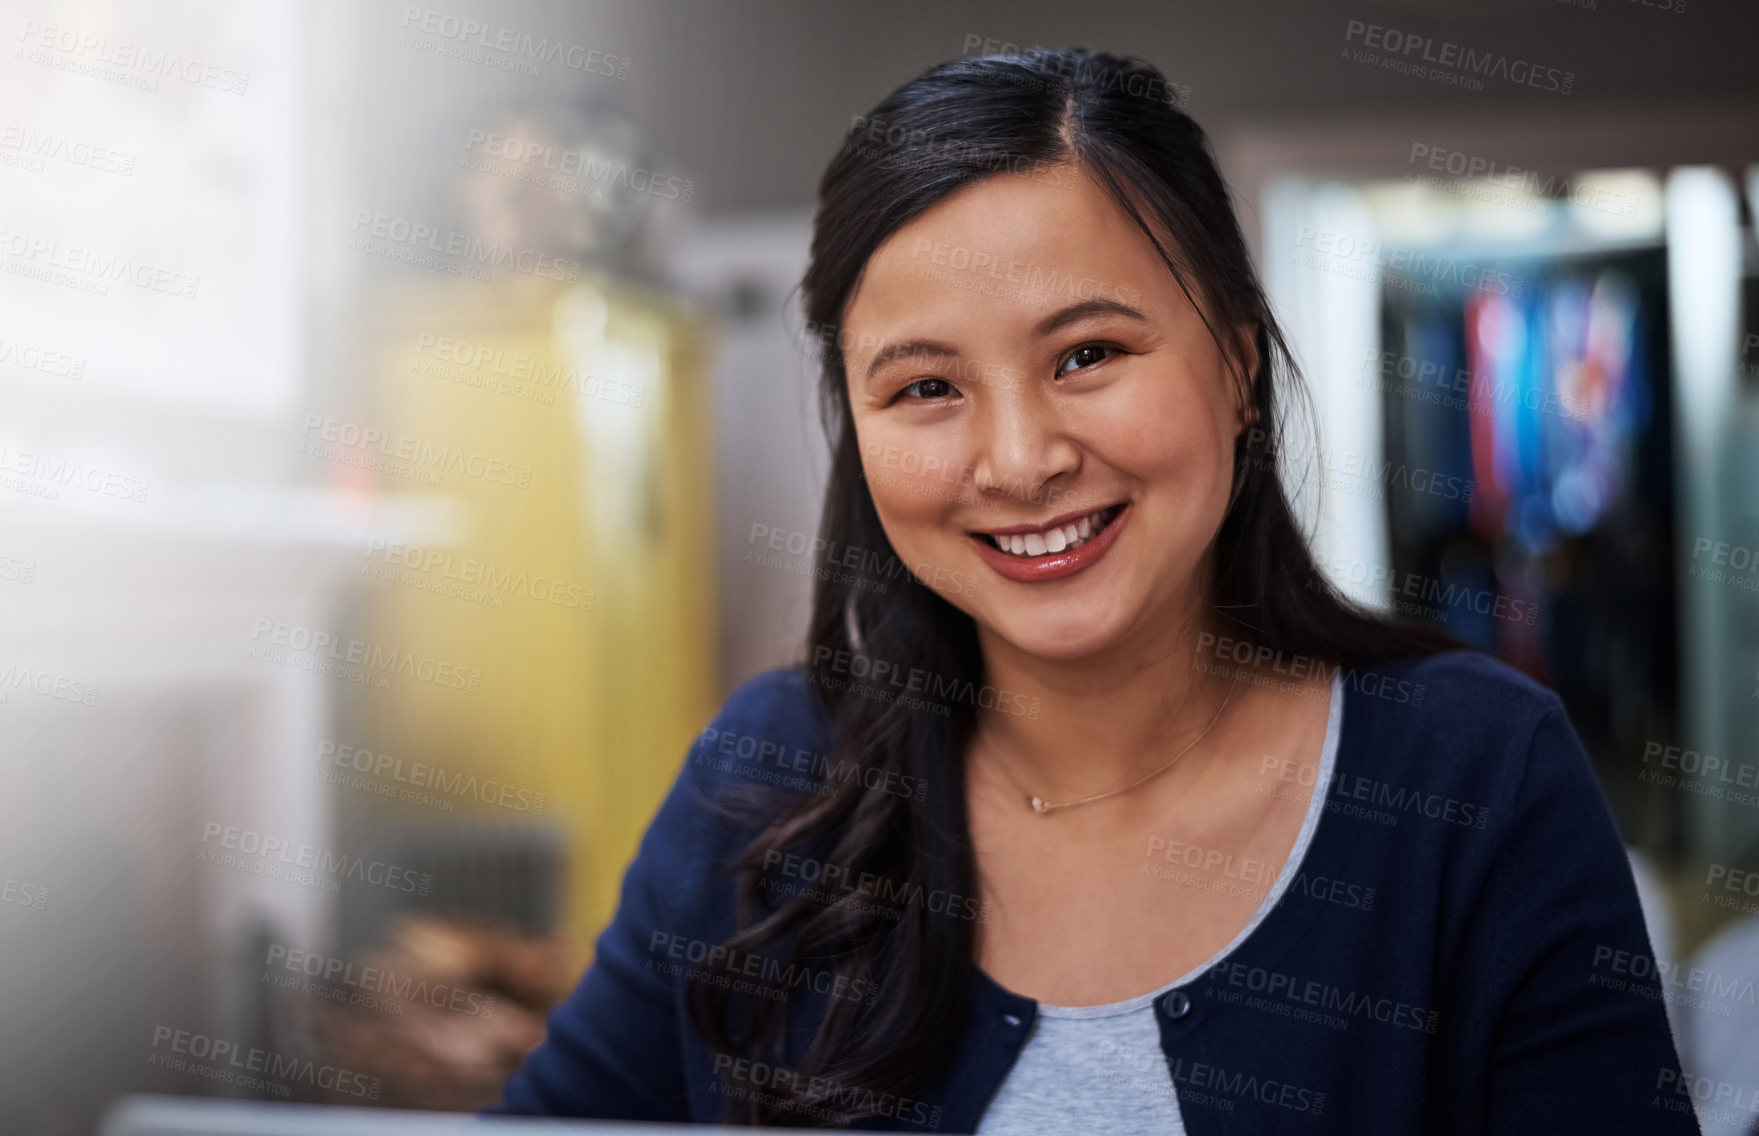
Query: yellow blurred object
(585, 595)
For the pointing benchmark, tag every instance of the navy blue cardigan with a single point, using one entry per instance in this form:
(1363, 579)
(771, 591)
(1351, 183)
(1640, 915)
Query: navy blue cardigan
(1441, 964)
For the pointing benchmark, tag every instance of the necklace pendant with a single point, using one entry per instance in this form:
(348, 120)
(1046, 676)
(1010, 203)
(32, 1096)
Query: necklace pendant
(1039, 805)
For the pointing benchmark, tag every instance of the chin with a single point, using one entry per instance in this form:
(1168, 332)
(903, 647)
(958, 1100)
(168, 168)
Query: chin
(1065, 637)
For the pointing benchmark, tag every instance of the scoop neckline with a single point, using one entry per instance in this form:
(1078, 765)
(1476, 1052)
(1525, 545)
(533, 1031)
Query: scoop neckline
(1291, 868)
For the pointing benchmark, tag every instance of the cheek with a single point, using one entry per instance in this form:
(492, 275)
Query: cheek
(1171, 444)
(915, 482)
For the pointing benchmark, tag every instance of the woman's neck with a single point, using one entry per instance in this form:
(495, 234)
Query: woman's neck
(1072, 728)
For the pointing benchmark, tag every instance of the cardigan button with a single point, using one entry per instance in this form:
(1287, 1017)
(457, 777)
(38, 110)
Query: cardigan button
(1176, 1005)
(1011, 1019)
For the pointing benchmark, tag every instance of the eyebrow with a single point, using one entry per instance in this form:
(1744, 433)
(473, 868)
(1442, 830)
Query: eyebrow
(1056, 321)
(1075, 313)
(909, 349)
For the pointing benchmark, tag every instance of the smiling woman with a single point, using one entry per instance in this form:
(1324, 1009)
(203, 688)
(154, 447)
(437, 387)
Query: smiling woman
(1126, 406)
(1163, 769)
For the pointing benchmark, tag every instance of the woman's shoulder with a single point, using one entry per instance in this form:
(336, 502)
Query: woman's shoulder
(1462, 725)
(766, 730)
(1460, 685)
(771, 731)
(781, 696)
(772, 723)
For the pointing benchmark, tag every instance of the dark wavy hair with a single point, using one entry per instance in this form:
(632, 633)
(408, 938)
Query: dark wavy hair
(956, 124)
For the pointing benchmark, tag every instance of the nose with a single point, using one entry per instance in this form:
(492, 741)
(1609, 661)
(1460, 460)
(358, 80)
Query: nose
(1022, 443)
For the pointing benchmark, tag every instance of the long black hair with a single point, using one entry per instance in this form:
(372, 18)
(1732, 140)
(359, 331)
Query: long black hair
(956, 124)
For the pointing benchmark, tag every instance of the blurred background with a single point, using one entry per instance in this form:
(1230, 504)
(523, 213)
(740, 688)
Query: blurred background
(408, 440)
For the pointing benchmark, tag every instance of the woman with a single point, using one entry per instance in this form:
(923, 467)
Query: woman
(1109, 814)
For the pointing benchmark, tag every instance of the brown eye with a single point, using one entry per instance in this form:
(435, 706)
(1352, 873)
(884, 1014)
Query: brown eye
(1087, 354)
(936, 388)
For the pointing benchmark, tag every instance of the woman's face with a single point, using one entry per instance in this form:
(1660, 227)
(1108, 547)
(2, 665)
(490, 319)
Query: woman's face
(1017, 355)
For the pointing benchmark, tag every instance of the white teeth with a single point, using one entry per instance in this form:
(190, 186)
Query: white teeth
(1060, 539)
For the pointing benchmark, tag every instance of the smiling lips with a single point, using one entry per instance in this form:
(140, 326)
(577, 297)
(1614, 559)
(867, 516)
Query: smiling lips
(1051, 552)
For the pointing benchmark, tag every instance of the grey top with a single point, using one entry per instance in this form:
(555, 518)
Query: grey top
(1101, 1068)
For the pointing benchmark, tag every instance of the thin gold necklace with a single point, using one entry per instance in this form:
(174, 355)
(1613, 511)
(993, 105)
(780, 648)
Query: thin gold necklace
(1044, 808)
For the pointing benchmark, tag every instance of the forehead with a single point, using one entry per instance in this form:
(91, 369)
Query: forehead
(1002, 254)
